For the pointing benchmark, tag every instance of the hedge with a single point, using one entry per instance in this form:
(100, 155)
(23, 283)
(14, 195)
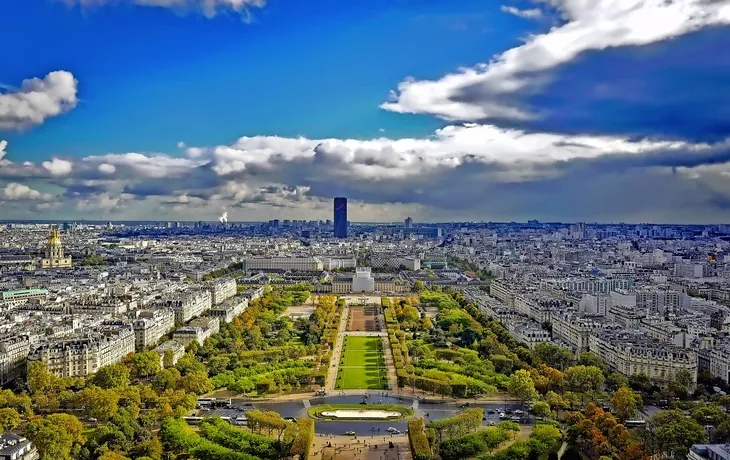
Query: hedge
(420, 449)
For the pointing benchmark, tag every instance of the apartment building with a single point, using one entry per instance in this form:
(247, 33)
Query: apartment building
(222, 290)
(188, 305)
(84, 355)
(229, 309)
(528, 333)
(576, 330)
(634, 352)
(14, 352)
(395, 261)
(502, 290)
(15, 447)
(593, 285)
(198, 330)
(151, 325)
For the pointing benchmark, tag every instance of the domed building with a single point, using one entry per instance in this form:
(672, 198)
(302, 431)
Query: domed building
(54, 257)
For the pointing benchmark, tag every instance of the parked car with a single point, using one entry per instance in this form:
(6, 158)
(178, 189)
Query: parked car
(491, 411)
(491, 423)
(508, 411)
(349, 433)
(320, 393)
(501, 415)
(519, 412)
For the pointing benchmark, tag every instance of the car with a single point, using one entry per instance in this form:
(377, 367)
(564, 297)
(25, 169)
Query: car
(501, 415)
(206, 409)
(515, 418)
(464, 405)
(508, 411)
(519, 411)
(491, 423)
(290, 419)
(491, 411)
(392, 429)
(349, 433)
(364, 402)
(320, 393)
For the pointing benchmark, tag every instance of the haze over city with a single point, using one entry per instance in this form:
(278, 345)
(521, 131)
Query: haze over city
(470, 111)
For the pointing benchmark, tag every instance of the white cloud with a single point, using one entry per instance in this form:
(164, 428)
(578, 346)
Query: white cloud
(16, 192)
(58, 167)
(38, 99)
(106, 168)
(208, 7)
(532, 13)
(589, 25)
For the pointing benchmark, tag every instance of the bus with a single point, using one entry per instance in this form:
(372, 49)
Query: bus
(634, 423)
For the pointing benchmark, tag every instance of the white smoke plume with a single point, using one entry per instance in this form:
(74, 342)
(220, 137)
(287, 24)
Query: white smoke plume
(223, 218)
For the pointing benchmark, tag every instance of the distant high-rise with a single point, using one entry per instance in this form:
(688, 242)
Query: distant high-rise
(409, 222)
(340, 217)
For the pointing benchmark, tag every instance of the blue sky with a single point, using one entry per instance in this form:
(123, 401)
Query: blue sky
(149, 78)
(441, 110)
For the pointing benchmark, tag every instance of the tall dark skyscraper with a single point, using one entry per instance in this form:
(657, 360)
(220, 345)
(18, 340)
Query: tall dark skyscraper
(340, 217)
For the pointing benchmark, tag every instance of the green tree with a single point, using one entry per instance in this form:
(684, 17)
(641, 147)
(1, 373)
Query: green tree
(98, 402)
(556, 402)
(545, 438)
(541, 409)
(112, 376)
(145, 363)
(710, 415)
(521, 386)
(584, 379)
(625, 403)
(616, 380)
(9, 419)
(40, 380)
(418, 286)
(591, 359)
(166, 379)
(552, 355)
(57, 437)
(672, 434)
(196, 382)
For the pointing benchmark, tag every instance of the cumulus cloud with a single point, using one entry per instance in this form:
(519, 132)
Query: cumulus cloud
(58, 167)
(17, 192)
(532, 13)
(208, 7)
(496, 90)
(38, 99)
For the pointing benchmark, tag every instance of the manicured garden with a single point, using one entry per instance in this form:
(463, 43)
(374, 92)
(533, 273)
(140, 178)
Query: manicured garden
(362, 365)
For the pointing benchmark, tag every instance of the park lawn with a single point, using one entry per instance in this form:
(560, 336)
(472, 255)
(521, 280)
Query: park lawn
(362, 365)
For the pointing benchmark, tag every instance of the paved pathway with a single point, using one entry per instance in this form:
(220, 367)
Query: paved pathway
(307, 404)
(337, 352)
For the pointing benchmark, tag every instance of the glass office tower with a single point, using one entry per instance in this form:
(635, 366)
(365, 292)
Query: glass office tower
(340, 217)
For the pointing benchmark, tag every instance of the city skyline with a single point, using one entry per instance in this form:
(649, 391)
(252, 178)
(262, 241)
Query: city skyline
(270, 109)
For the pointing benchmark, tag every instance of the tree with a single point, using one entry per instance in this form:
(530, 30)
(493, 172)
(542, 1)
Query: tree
(616, 380)
(9, 419)
(584, 379)
(112, 376)
(57, 437)
(520, 385)
(672, 434)
(555, 401)
(552, 355)
(625, 403)
(99, 403)
(40, 380)
(166, 379)
(196, 382)
(418, 286)
(541, 409)
(710, 415)
(545, 438)
(591, 359)
(145, 363)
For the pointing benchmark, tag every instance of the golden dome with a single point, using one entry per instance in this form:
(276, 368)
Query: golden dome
(54, 239)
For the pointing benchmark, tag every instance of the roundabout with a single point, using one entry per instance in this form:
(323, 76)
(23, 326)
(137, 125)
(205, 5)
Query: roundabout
(359, 412)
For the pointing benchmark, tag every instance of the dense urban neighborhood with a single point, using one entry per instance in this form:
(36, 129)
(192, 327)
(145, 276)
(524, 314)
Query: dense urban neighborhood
(272, 340)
